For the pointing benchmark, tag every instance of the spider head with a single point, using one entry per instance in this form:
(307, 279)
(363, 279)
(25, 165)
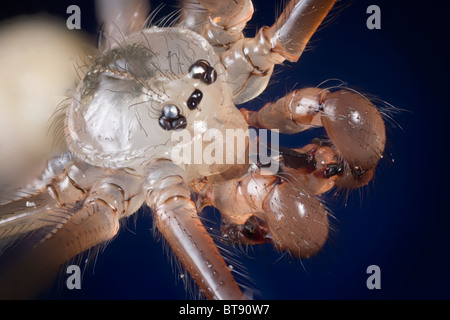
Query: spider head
(161, 93)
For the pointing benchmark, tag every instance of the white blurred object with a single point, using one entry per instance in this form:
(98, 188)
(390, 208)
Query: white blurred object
(39, 59)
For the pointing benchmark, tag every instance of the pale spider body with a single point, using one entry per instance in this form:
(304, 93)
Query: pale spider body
(147, 84)
(153, 66)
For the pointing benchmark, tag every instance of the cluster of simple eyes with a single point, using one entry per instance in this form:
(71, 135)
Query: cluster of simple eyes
(170, 118)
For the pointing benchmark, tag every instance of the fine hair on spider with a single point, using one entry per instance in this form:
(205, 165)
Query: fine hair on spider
(387, 112)
(210, 217)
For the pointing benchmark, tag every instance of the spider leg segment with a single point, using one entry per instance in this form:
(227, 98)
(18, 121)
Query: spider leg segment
(42, 231)
(295, 26)
(176, 217)
(220, 22)
(250, 61)
(120, 18)
(193, 16)
(227, 19)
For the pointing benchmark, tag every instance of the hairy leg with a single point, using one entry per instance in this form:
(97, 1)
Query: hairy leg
(120, 18)
(176, 218)
(250, 61)
(71, 214)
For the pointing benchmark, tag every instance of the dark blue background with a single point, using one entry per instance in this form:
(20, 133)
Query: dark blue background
(400, 222)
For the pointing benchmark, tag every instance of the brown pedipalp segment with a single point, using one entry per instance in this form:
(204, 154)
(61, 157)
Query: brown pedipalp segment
(354, 125)
(295, 112)
(282, 208)
(357, 131)
(297, 221)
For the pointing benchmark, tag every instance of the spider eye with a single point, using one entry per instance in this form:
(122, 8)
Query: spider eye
(171, 119)
(170, 111)
(194, 99)
(203, 71)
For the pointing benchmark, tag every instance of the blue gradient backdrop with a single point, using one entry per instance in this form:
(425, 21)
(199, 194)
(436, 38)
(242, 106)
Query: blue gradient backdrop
(400, 222)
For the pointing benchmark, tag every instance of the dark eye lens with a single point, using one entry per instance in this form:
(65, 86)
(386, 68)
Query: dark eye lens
(179, 123)
(199, 69)
(170, 111)
(171, 118)
(212, 75)
(194, 99)
(165, 124)
(203, 71)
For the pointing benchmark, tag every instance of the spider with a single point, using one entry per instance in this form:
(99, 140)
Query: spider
(152, 94)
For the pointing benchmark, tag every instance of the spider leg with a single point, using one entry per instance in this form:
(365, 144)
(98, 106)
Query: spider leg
(250, 61)
(220, 22)
(176, 218)
(295, 26)
(193, 16)
(120, 18)
(71, 214)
